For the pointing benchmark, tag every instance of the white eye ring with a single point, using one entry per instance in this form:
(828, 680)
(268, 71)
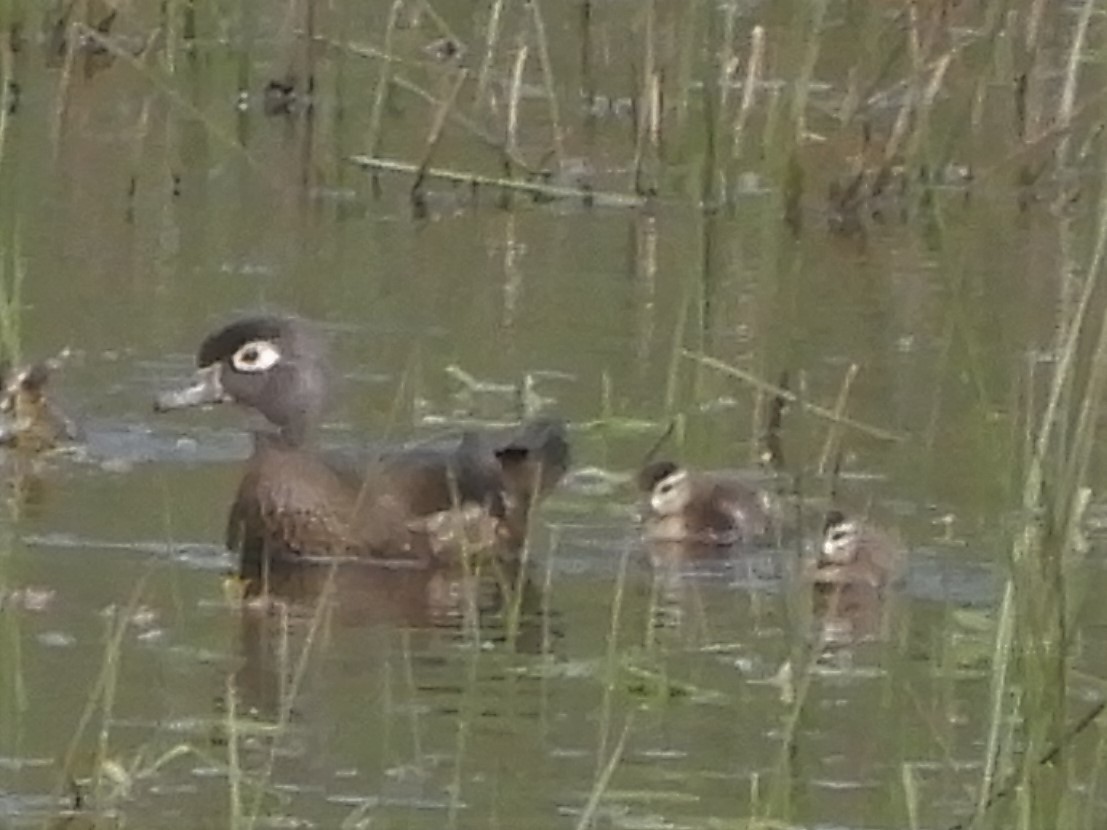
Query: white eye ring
(255, 356)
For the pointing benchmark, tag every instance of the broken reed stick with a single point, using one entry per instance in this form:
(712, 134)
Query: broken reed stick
(591, 197)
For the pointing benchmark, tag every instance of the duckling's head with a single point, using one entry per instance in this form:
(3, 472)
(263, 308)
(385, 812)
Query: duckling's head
(841, 539)
(668, 485)
(275, 365)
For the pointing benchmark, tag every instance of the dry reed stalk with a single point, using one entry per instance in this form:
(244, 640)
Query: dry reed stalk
(512, 138)
(603, 779)
(807, 72)
(65, 79)
(1034, 23)
(491, 36)
(912, 103)
(727, 61)
(1068, 92)
(434, 136)
(548, 81)
(749, 90)
(171, 16)
(646, 269)
(711, 114)
(831, 447)
(923, 108)
(687, 54)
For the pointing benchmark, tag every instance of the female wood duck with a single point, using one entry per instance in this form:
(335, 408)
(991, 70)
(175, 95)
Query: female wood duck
(29, 420)
(703, 507)
(854, 552)
(411, 505)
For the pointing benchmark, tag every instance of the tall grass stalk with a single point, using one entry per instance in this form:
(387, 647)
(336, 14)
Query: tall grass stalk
(1047, 550)
(672, 375)
(686, 60)
(548, 80)
(15, 699)
(512, 130)
(412, 691)
(12, 276)
(172, 20)
(247, 20)
(468, 710)
(384, 81)
(518, 587)
(645, 149)
(69, 40)
(298, 672)
(834, 431)
(813, 30)
(236, 818)
(491, 37)
(611, 663)
(102, 691)
(587, 78)
(7, 81)
(1068, 91)
(603, 779)
(711, 107)
(435, 133)
(741, 117)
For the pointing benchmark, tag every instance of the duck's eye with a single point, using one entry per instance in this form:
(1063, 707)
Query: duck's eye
(256, 356)
(838, 534)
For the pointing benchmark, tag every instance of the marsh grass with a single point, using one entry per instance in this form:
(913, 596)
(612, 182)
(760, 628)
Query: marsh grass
(12, 277)
(1021, 785)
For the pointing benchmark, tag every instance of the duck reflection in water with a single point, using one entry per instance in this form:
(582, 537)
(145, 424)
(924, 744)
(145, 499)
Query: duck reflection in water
(412, 507)
(319, 602)
(856, 566)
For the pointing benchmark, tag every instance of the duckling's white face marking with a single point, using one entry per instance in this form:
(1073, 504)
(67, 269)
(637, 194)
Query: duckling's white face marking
(840, 542)
(256, 356)
(671, 494)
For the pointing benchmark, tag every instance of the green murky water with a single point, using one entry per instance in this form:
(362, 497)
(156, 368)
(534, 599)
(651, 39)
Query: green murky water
(147, 208)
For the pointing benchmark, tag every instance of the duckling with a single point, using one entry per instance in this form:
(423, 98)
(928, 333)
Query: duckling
(31, 421)
(858, 553)
(716, 508)
(409, 505)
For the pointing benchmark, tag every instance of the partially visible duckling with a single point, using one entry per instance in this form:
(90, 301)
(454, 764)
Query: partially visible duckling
(857, 553)
(31, 422)
(716, 508)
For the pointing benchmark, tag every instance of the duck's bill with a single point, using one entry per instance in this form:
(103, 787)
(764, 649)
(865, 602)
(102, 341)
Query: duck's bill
(206, 389)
